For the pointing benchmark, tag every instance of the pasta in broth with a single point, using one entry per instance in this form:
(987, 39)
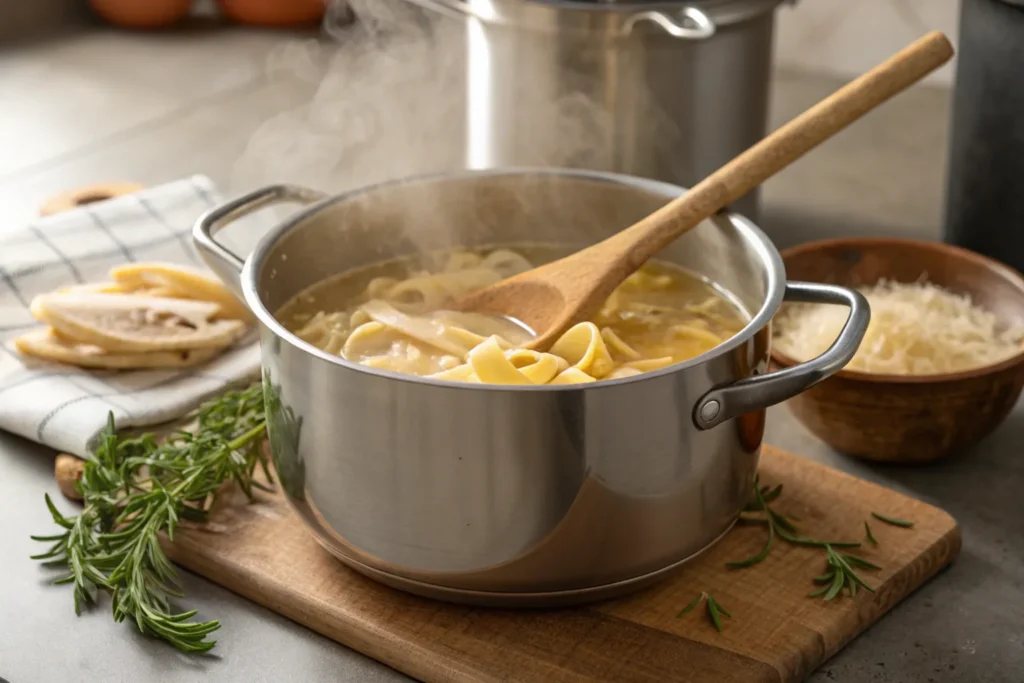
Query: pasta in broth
(393, 318)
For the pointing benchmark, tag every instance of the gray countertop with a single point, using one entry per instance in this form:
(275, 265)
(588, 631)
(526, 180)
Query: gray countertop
(146, 109)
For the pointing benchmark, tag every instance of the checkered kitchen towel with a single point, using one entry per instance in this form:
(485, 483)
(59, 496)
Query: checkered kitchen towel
(65, 407)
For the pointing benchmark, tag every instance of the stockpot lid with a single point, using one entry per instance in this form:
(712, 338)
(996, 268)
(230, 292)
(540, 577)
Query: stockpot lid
(692, 19)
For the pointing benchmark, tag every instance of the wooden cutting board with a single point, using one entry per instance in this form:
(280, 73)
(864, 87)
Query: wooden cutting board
(776, 633)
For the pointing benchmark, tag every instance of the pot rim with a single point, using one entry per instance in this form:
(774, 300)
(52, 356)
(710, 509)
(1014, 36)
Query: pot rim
(770, 256)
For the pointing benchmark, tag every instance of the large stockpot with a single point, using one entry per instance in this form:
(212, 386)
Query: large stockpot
(662, 89)
(501, 494)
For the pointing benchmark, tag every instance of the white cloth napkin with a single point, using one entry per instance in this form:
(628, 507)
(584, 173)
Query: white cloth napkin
(66, 407)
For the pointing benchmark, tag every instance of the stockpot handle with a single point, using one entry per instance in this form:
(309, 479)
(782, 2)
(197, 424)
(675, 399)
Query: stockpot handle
(676, 23)
(754, 393)
(224, 262)
(688, 22)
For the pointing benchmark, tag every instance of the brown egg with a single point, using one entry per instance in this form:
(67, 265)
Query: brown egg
(142, 13)
(278, 13)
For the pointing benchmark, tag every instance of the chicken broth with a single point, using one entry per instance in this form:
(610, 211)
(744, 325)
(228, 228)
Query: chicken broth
(391, 316)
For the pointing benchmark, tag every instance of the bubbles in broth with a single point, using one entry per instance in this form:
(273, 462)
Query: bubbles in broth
(392, 316)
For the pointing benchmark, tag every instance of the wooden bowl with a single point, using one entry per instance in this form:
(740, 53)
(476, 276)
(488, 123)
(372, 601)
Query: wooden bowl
(909, 419)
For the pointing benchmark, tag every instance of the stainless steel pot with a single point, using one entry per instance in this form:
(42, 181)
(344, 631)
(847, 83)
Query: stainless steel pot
(513, 495)
(661, 89)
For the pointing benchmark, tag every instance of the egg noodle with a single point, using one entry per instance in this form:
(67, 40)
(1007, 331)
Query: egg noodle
(661, 315)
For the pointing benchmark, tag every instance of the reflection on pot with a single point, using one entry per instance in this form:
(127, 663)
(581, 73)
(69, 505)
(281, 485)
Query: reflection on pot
(284, 429)
(750, 426)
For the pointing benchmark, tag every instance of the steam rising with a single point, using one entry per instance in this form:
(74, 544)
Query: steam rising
(386, 97)
(386, 103)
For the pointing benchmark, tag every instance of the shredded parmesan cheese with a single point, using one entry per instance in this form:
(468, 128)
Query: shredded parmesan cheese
(916, 328)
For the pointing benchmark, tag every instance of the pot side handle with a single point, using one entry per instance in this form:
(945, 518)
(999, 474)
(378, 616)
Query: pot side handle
(224, 262)
(754, 393)
(688, 22)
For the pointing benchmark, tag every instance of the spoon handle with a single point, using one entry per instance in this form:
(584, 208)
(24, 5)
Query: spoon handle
(781, 148)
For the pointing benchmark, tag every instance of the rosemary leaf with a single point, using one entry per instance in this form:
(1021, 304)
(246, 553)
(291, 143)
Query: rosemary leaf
(780, 521)
(860, 562)
(759, 557)
(906, 524)
(803, 540)
(769, 495)
(689, 608)
(870, 536)
(838, 581)
(713, 613)
(718, 606)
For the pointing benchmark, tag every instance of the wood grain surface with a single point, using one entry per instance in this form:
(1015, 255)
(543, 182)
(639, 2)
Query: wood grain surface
(776, 633)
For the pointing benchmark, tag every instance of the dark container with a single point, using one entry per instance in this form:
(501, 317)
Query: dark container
(985, 192)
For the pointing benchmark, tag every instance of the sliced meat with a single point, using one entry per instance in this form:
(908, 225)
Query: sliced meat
(191, 282)
(130, 322)
(45, 343)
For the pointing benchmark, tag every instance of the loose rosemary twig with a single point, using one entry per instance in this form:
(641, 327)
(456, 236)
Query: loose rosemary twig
(715, 610)
(868, 535)
(841, 566)
(905, 523)
(842, 574)
(778, 525)
(135, 489)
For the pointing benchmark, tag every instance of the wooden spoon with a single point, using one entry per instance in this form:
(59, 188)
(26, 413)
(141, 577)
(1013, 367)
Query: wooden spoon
(554, 297)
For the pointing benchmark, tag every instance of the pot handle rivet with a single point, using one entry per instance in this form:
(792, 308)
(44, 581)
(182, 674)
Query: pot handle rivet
(709, 411)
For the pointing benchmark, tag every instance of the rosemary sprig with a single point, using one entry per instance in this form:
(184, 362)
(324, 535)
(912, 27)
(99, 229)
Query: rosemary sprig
(715, 610)
(778, 525)
(134, 489)
(906, 524)
(842, 574)
(841, 566)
